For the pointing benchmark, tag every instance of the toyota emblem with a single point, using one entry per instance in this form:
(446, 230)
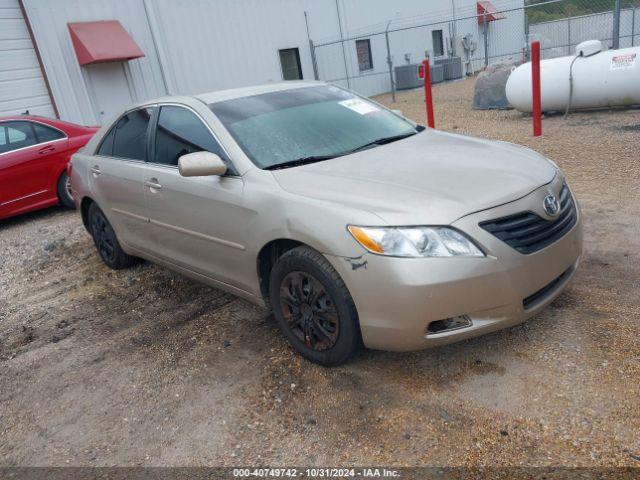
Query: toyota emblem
(551, 205)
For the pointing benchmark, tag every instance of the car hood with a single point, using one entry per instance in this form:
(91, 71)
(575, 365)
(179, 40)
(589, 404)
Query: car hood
(430, 178)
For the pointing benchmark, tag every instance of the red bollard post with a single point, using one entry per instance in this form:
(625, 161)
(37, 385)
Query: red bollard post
(428, 95)
(536, 90)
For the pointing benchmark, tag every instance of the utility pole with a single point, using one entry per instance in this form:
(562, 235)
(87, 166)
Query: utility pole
(486, 38)
(390, 64)
(312, 49)
(616, 26)
(344, 53)
(454, 30)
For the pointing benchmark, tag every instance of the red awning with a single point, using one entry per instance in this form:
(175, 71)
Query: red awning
(492, 14)
(105, 41)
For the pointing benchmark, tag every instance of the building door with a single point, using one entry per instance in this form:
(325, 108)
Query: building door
(110, 89)
(290, 62)
(22, 84)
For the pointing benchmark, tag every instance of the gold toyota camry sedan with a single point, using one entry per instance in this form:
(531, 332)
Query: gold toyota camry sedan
(353, 224)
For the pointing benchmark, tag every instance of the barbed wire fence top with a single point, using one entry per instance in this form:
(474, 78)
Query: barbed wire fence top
(374, 59)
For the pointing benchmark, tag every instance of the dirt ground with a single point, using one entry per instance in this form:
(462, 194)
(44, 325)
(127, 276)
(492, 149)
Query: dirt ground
(145, 367)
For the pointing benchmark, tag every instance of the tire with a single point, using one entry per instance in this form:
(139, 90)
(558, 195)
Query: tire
(64, 192)
(104, 237)
(313, 307)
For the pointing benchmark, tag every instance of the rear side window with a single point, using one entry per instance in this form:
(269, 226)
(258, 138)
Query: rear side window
(106, 147)
(179, 132)
(16, 135)
(47, 134)
(130, 135)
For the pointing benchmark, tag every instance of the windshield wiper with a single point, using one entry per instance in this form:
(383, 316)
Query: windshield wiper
(301, 161)
(319, 158)
(382, 141)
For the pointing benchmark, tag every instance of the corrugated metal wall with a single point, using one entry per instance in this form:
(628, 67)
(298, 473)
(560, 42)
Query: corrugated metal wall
(195, 46)
(228, 44)
(22, 85)
(49, 22)
(199, 45)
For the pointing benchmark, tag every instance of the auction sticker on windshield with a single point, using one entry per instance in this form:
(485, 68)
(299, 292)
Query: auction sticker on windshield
(358, 106)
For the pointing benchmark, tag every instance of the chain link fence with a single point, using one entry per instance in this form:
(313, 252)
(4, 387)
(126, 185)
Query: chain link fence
(465, 41)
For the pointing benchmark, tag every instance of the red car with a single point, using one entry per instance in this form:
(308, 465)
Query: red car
(34, 152)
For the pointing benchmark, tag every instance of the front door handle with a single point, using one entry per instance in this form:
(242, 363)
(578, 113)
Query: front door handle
(153, 184)
(96, 171)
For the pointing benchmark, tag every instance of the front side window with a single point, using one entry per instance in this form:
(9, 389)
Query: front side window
(310, 123)
(16, 135)
(363, 50)
(130, 135)
(180, 132)
(47, 134)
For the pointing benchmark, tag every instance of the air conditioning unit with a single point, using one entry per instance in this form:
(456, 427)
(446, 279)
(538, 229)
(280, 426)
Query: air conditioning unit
(407, 77)
(437, 73)
(452, 67)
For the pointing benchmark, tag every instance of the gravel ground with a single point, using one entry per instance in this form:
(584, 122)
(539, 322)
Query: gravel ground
(145, 367)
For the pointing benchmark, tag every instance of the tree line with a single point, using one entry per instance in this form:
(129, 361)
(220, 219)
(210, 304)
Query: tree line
(572, 8)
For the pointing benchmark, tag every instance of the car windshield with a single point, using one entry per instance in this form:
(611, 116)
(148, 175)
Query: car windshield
(303, 125)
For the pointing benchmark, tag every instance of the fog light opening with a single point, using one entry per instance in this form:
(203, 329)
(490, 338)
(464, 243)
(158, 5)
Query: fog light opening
(448, 324)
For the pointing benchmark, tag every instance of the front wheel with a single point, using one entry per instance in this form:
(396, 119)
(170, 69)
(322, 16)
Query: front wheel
(106, 241)
(313, 307)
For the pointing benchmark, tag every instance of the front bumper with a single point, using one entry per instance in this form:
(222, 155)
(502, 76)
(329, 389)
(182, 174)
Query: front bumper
(397, 298)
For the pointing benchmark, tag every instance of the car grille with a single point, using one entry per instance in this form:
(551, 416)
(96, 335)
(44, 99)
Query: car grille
(532, 300)
(527, 232)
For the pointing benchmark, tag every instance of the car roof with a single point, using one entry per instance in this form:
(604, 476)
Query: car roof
(32, 118)
(222, 95)
(67, 127)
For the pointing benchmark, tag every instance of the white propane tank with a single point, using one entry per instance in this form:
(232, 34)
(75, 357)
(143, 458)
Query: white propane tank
(600, 79)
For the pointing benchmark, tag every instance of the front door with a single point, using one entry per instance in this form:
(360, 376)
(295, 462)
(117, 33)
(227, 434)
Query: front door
(198, 223)
(110, 89)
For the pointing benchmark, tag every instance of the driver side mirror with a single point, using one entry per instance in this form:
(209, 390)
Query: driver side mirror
(201, 164)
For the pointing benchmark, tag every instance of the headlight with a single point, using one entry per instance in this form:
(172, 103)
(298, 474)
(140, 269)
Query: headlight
(415, 241)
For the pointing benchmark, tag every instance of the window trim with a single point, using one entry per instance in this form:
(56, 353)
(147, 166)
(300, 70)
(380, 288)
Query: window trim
(30, 122)
(150, 137)
(46, 125)
(232, 171)
(368, 40)
(114, 124)
(146, 133)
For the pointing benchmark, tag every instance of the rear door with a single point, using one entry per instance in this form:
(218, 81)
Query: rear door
(198, 223)
(117, 171)
(29, 153)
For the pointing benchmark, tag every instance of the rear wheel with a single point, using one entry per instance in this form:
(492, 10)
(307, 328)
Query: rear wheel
(313, 307)
(106, 241)
(64, 191)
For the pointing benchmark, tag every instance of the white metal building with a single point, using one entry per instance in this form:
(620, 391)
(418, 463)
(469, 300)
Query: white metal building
(192, 46)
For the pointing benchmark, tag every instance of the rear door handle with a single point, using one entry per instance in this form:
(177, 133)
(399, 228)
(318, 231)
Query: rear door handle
(153, 184)
(96, 170)
(47, 149)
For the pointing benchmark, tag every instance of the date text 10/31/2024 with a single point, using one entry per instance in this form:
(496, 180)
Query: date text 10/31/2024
(316, 473)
